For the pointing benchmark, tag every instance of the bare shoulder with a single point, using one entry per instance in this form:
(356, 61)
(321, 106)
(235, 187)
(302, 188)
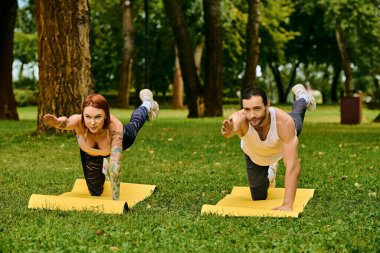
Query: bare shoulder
(75, 120)
(285, 125)
(115, 124)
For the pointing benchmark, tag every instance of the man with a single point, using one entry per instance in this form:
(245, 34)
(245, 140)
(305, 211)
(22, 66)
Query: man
(268, 134)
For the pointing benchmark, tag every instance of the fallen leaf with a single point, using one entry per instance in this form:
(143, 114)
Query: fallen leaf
(372, 194)
(99, 232)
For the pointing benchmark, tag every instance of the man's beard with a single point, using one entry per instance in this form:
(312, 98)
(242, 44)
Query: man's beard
(258, 122)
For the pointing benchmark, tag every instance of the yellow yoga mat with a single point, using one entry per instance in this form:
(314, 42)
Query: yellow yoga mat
(240, 203)
(80, 199)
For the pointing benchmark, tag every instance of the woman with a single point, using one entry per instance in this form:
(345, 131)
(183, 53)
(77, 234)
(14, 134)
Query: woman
(101, 135)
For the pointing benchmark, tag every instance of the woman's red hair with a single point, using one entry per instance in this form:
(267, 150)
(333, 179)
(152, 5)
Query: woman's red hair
(97, 101)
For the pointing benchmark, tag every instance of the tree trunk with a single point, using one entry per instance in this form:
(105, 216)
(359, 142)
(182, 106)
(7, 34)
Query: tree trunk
(253, 43)
(277, 77)
(198, 57)
(8, 13)
(348, 83)
(292, 78)
(126, 66)
(177, 79)
(177, 84)
(21, 72)
(64, 57)
(334, 84)
(214, 59)
(189, 73)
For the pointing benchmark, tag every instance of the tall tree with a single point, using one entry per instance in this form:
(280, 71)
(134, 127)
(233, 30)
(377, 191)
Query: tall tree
(177, 101)
(253, 43)
(214, 59)
(126, 66)
(8, 14)
(348, 83)
(185, 51)
(64, 56)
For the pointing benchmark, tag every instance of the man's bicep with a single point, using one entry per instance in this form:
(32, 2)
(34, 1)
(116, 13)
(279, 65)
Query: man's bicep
(290, 152)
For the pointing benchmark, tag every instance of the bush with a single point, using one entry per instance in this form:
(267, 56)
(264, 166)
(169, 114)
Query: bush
(26, 83)
(25, 97)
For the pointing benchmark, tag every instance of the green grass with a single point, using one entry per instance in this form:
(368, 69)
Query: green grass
(192, 165)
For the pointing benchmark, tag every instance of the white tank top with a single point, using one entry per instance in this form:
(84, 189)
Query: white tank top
(265, 152)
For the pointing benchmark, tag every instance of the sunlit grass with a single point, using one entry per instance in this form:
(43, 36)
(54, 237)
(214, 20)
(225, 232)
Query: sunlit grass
(192, 165)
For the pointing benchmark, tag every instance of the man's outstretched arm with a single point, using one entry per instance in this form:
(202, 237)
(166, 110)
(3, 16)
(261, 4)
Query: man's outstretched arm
(234, 125)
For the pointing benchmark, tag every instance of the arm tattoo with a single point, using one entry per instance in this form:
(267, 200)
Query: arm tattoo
(117, 142)
(117, 138)
(63, 124)
(116, 150)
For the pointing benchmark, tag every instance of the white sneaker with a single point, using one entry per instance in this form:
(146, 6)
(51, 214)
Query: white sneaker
(299, 90)
(147, 95)
(272, 170)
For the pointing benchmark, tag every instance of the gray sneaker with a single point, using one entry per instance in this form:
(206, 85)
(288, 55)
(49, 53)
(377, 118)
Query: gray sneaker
(298, 90)
(147, 95)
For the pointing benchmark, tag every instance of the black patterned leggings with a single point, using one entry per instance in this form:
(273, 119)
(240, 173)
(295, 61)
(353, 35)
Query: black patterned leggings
(92, 165)
(258, 175)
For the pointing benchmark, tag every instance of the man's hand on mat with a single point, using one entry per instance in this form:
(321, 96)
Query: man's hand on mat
(283, 208)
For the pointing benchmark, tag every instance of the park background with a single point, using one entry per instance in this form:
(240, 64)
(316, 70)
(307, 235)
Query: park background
(196, 56)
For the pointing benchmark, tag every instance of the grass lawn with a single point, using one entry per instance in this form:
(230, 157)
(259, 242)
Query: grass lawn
(192, 164)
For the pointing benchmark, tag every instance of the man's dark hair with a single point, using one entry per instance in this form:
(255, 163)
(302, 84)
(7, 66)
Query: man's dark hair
(255, 91)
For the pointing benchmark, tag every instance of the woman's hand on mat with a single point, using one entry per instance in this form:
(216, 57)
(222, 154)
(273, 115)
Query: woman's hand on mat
(50, 120)
(283, 208)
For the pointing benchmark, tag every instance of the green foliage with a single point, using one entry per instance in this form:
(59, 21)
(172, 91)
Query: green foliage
(106, 43)
(25, 47)
(360, 22)
(25, 97)
(316, 43)
(160, 50)
(25, 21)
(274, 19)
(234, 31)
(291, 31)
(26, 83)
(192, 165)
